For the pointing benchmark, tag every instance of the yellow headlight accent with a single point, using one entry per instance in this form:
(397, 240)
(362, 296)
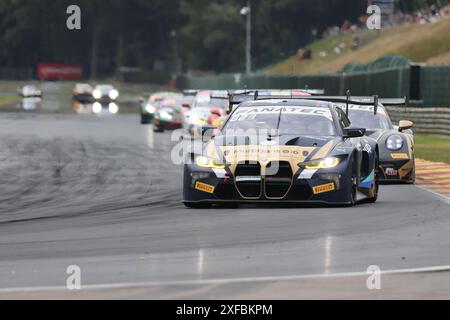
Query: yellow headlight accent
(206, 162)
(326, 163)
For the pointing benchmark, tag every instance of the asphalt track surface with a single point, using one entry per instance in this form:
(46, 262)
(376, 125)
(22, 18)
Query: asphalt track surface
(102, 193)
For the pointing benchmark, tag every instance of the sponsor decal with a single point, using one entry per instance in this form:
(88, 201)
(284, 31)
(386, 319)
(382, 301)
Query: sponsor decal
(370, 109)
(234, 154)
(324, 188)
(244, 114)
(399, 156)
(391, 172)
(205, 187)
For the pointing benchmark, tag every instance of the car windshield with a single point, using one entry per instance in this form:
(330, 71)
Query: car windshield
(367, 119)
(291, 120)
(105, 88)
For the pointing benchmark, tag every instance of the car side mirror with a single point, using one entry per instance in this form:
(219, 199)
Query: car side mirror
(405, 125)
(354, 132)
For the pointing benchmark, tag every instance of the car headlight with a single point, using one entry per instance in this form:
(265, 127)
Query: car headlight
(326, 163)
(97, 94)
(114, 94)
(165, 116)
(394, 143)
(206, 162)
(150, 109)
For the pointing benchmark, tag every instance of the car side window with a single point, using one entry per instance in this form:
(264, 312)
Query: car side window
(343, 119)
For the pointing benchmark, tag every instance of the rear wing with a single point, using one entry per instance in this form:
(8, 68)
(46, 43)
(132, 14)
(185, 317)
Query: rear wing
(374, 101)
(237, 97)
(190, 92)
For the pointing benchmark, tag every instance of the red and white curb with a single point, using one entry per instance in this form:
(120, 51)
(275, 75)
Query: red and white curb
(434, 176)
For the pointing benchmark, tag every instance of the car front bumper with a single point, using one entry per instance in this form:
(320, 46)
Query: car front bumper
(220, 186)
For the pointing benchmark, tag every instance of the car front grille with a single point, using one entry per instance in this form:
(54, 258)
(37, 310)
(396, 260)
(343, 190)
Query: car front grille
(248, 180)
(278, 180)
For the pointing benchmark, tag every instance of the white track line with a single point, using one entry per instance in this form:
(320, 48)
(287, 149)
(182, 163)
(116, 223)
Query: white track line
(445, 268)
(440, 196)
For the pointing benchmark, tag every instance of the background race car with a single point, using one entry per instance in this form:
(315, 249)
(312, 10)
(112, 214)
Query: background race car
(168, 114)
(396, 143)
(208, 106)
(148, 108)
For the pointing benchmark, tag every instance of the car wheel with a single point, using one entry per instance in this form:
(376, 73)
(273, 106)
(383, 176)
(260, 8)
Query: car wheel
(197, 205)
(157, 129)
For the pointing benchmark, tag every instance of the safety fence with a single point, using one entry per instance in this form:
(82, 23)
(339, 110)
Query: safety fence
(388, 76)
(426, 120)
(386, 83)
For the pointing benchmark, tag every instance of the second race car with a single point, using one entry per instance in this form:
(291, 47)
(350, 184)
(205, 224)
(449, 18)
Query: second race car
(396, 143)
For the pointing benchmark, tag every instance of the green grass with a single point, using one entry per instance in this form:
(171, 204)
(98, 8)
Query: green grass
(8, 100)
(428, 43)
(433, 148)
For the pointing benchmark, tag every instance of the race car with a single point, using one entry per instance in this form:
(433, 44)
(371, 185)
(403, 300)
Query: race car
(217, 117)
(168, 115)
(148, 108)
(105, 93)
(30, 91)
(201, 108)
(82, 92)
(396, 143)
(283, 150)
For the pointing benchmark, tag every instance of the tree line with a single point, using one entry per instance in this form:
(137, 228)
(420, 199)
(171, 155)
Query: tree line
(203, 34)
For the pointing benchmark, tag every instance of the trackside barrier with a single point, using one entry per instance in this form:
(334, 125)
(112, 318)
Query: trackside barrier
(426, 120)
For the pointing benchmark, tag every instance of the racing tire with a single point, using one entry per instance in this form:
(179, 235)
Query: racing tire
(157, 129)
(197, 205)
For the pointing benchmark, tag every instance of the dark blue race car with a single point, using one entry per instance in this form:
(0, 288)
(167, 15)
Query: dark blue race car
(283, 150)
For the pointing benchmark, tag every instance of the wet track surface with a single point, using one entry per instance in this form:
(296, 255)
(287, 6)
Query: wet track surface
(103, 194)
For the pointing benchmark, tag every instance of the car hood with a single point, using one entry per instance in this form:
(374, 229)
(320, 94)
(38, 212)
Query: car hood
(292, 149)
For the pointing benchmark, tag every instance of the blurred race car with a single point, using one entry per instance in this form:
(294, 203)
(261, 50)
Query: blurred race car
(217, 117)
(30, 91)
(83, 92)
(396, 143)
(105, 93)
(148, 108)
(168, 115)
(201, 111)
(306, 152)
